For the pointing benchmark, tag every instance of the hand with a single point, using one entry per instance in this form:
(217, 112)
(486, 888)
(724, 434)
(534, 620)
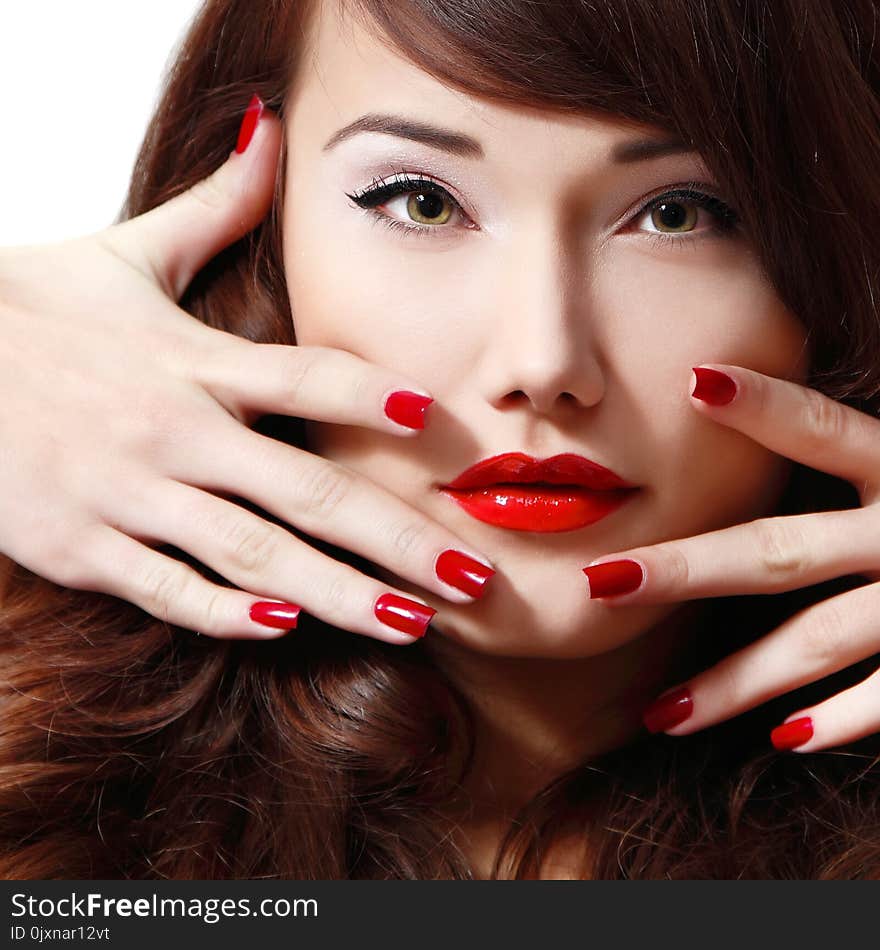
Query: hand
(120, 410)
(776, 554)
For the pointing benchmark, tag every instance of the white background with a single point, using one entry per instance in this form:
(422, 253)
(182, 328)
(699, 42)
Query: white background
(78, 80)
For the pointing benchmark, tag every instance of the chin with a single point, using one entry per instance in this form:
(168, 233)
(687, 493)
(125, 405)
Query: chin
(540, 622)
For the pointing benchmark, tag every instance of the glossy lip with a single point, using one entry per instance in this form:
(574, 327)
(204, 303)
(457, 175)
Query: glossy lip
(518, 492)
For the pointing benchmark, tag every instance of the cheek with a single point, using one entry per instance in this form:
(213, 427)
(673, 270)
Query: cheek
(393, 302)
(322, 285)
(709, 304)
(713, 307)
(336, 283)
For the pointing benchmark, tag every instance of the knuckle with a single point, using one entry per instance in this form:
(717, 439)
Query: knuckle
(364, 387)
(161, 423)
(251, 547)
(73, 572)
(67, 561)
(676, 568)
(313, 365)
(162, 588)
(825, 635)
(779, 546)
(334, 598)
(407, 538)
(357, 378)
(324, 489)
(214, 613)
(305, 361)
(822, 418)
(208, 192)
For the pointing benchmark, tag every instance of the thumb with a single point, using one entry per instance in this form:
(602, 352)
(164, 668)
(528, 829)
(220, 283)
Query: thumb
(172, 242)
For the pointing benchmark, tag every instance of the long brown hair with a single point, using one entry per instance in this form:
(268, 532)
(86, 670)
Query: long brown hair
(132, 749)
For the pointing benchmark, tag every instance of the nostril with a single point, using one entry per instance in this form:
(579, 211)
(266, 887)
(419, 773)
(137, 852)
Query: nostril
(537, 402)
(516, 396)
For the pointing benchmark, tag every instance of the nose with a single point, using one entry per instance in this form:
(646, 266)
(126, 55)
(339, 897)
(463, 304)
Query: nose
(540, 350)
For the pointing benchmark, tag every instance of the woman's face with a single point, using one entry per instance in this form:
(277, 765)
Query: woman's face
(548, 314)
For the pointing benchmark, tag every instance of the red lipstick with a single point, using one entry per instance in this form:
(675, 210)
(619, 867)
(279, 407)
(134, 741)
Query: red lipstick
(521, 493)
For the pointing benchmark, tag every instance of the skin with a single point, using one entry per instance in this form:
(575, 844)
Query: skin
(549, 319)
(563, 328)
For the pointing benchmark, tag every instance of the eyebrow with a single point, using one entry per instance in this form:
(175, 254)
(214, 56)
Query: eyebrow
(456, 143)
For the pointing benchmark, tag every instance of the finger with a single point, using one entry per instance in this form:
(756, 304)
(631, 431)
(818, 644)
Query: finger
(270, 562)
(329, 501)
(316, 496)
(174, 241)
(173, 592)
(768, 555)
(814, 643)
(795, 421)
(312, 382)
(849, 715)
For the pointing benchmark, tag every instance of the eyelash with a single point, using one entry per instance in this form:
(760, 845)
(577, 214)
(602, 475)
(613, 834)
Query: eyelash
(371, 199)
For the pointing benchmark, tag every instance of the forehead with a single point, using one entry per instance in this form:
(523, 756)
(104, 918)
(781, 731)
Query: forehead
(348, 69)
(355, 67)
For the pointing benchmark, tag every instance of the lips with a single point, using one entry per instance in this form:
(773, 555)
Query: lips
(521, 493)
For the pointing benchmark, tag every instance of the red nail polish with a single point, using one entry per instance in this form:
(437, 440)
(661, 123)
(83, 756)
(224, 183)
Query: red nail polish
(668, 710)
(792, 734)
(403, 614)
(407, 408)
(713, 387)
(271, 614)
(614, 577)
(463, 572)
(249, 123)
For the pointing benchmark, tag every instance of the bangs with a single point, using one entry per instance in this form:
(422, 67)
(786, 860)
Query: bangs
(645, 62)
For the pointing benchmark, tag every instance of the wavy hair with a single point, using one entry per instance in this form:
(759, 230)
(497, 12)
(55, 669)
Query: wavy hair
(133, 749)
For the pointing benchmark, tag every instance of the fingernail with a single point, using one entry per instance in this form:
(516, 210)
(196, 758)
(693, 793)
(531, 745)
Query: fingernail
(668, 710)
(273, 614)
(407, 408)
(463, 572)
(792, 734)
(249, 123)
(713, 387)
(401, 613)
(614, 577)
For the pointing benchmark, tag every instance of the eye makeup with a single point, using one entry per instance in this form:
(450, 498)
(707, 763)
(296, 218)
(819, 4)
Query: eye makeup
(725, 220)
(372, 199)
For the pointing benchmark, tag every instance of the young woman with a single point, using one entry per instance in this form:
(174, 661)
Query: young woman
(616, 264)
